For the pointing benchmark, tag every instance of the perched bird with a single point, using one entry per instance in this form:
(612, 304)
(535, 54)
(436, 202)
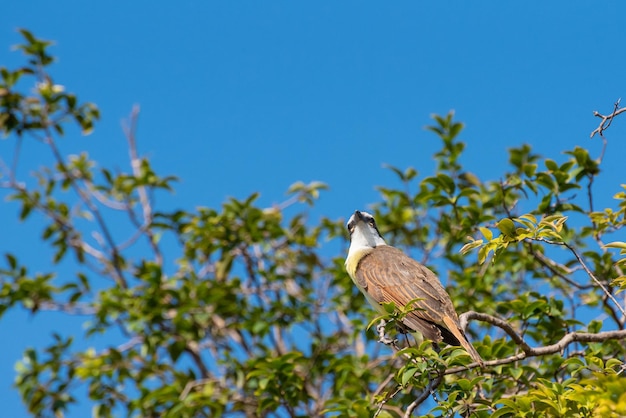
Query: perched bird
(386, 274)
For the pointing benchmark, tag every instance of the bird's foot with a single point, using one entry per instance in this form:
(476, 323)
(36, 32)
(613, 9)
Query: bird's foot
(382, 336)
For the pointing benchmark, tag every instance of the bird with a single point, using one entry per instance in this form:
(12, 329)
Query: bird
(386, 274)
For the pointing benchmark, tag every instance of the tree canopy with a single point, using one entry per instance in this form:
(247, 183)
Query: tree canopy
(247, 314)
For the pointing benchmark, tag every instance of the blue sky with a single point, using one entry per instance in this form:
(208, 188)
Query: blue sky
(238, 97)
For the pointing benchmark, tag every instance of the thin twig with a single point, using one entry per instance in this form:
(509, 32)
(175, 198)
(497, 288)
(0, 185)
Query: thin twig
(16, 156)
(105, 200)
(190, 385)
(428, 390)
(130, 130)
(587, 270)
(595, 279)
(382, 404)
(606, 120)
(75, 308)
(382, 385)
(84, 196)
(556, 268)
(193, 351)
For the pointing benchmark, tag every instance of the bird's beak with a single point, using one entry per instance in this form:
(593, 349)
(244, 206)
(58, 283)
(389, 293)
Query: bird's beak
(358, 215)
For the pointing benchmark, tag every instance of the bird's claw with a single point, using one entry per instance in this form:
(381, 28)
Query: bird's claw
(382, 337)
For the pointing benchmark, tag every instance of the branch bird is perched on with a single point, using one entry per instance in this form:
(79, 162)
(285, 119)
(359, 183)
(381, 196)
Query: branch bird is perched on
(386, 274)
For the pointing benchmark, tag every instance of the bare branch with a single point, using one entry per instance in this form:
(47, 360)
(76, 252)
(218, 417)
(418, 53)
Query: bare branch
(16, 156)
(382, 385)
(382, 404)
(193, 350)
(500, 323)
(133, 342)
(105, 200)
(427, 391)
(595, 279)
(132, 239)
(190, 385)
(130, 129)
(69, 308)
(606, 120)
(528, 351)
(589, 273)
(97, 254)
(85, 198)
(557, 268)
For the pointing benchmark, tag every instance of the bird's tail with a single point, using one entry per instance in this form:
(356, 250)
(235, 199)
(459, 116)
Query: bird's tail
(454, 328)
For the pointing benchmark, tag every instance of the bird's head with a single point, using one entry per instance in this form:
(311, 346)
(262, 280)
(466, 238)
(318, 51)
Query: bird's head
(363, 231)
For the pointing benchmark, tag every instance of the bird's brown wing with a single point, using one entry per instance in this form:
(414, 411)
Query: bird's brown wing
(389, 275)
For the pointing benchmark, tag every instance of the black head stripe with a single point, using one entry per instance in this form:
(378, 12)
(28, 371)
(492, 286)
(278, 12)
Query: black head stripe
(351, 225)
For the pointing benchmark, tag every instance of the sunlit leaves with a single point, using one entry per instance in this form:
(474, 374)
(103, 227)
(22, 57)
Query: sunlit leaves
(598, 395)
(43, 380)
(278, 380)
(45, 111)
(406, 175)
(525, 227)
(307, 192)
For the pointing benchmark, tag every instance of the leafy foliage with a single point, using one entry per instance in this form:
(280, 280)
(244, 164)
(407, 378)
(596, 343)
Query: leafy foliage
(247, 315)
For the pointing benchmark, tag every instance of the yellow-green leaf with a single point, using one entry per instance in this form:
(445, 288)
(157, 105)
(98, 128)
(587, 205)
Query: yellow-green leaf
(486, 233)
(507, 227)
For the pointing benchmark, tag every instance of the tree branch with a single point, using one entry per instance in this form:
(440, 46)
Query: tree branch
(527, 350)
(130, 129)
(589, 273)
(500, 323)
(428, 390)
(606, 120)
(595, 279)
(192, 349)
(85, 198)
(556, 268)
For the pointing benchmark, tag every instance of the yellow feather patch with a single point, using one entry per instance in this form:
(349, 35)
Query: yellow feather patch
(352, 262)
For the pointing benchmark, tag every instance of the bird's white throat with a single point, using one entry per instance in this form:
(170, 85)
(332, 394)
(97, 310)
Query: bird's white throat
(364, 238)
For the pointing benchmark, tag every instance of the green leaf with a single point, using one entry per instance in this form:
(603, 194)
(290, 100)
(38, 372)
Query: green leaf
(410, 173)
(176, 349)
(616, 244)
(507, 227)
(396, 170)
(470, 246)
(486, 233)
(407, 375)
(546, 181)
(389, 307)
(551, 165)
(530, 218)
(11, 260)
